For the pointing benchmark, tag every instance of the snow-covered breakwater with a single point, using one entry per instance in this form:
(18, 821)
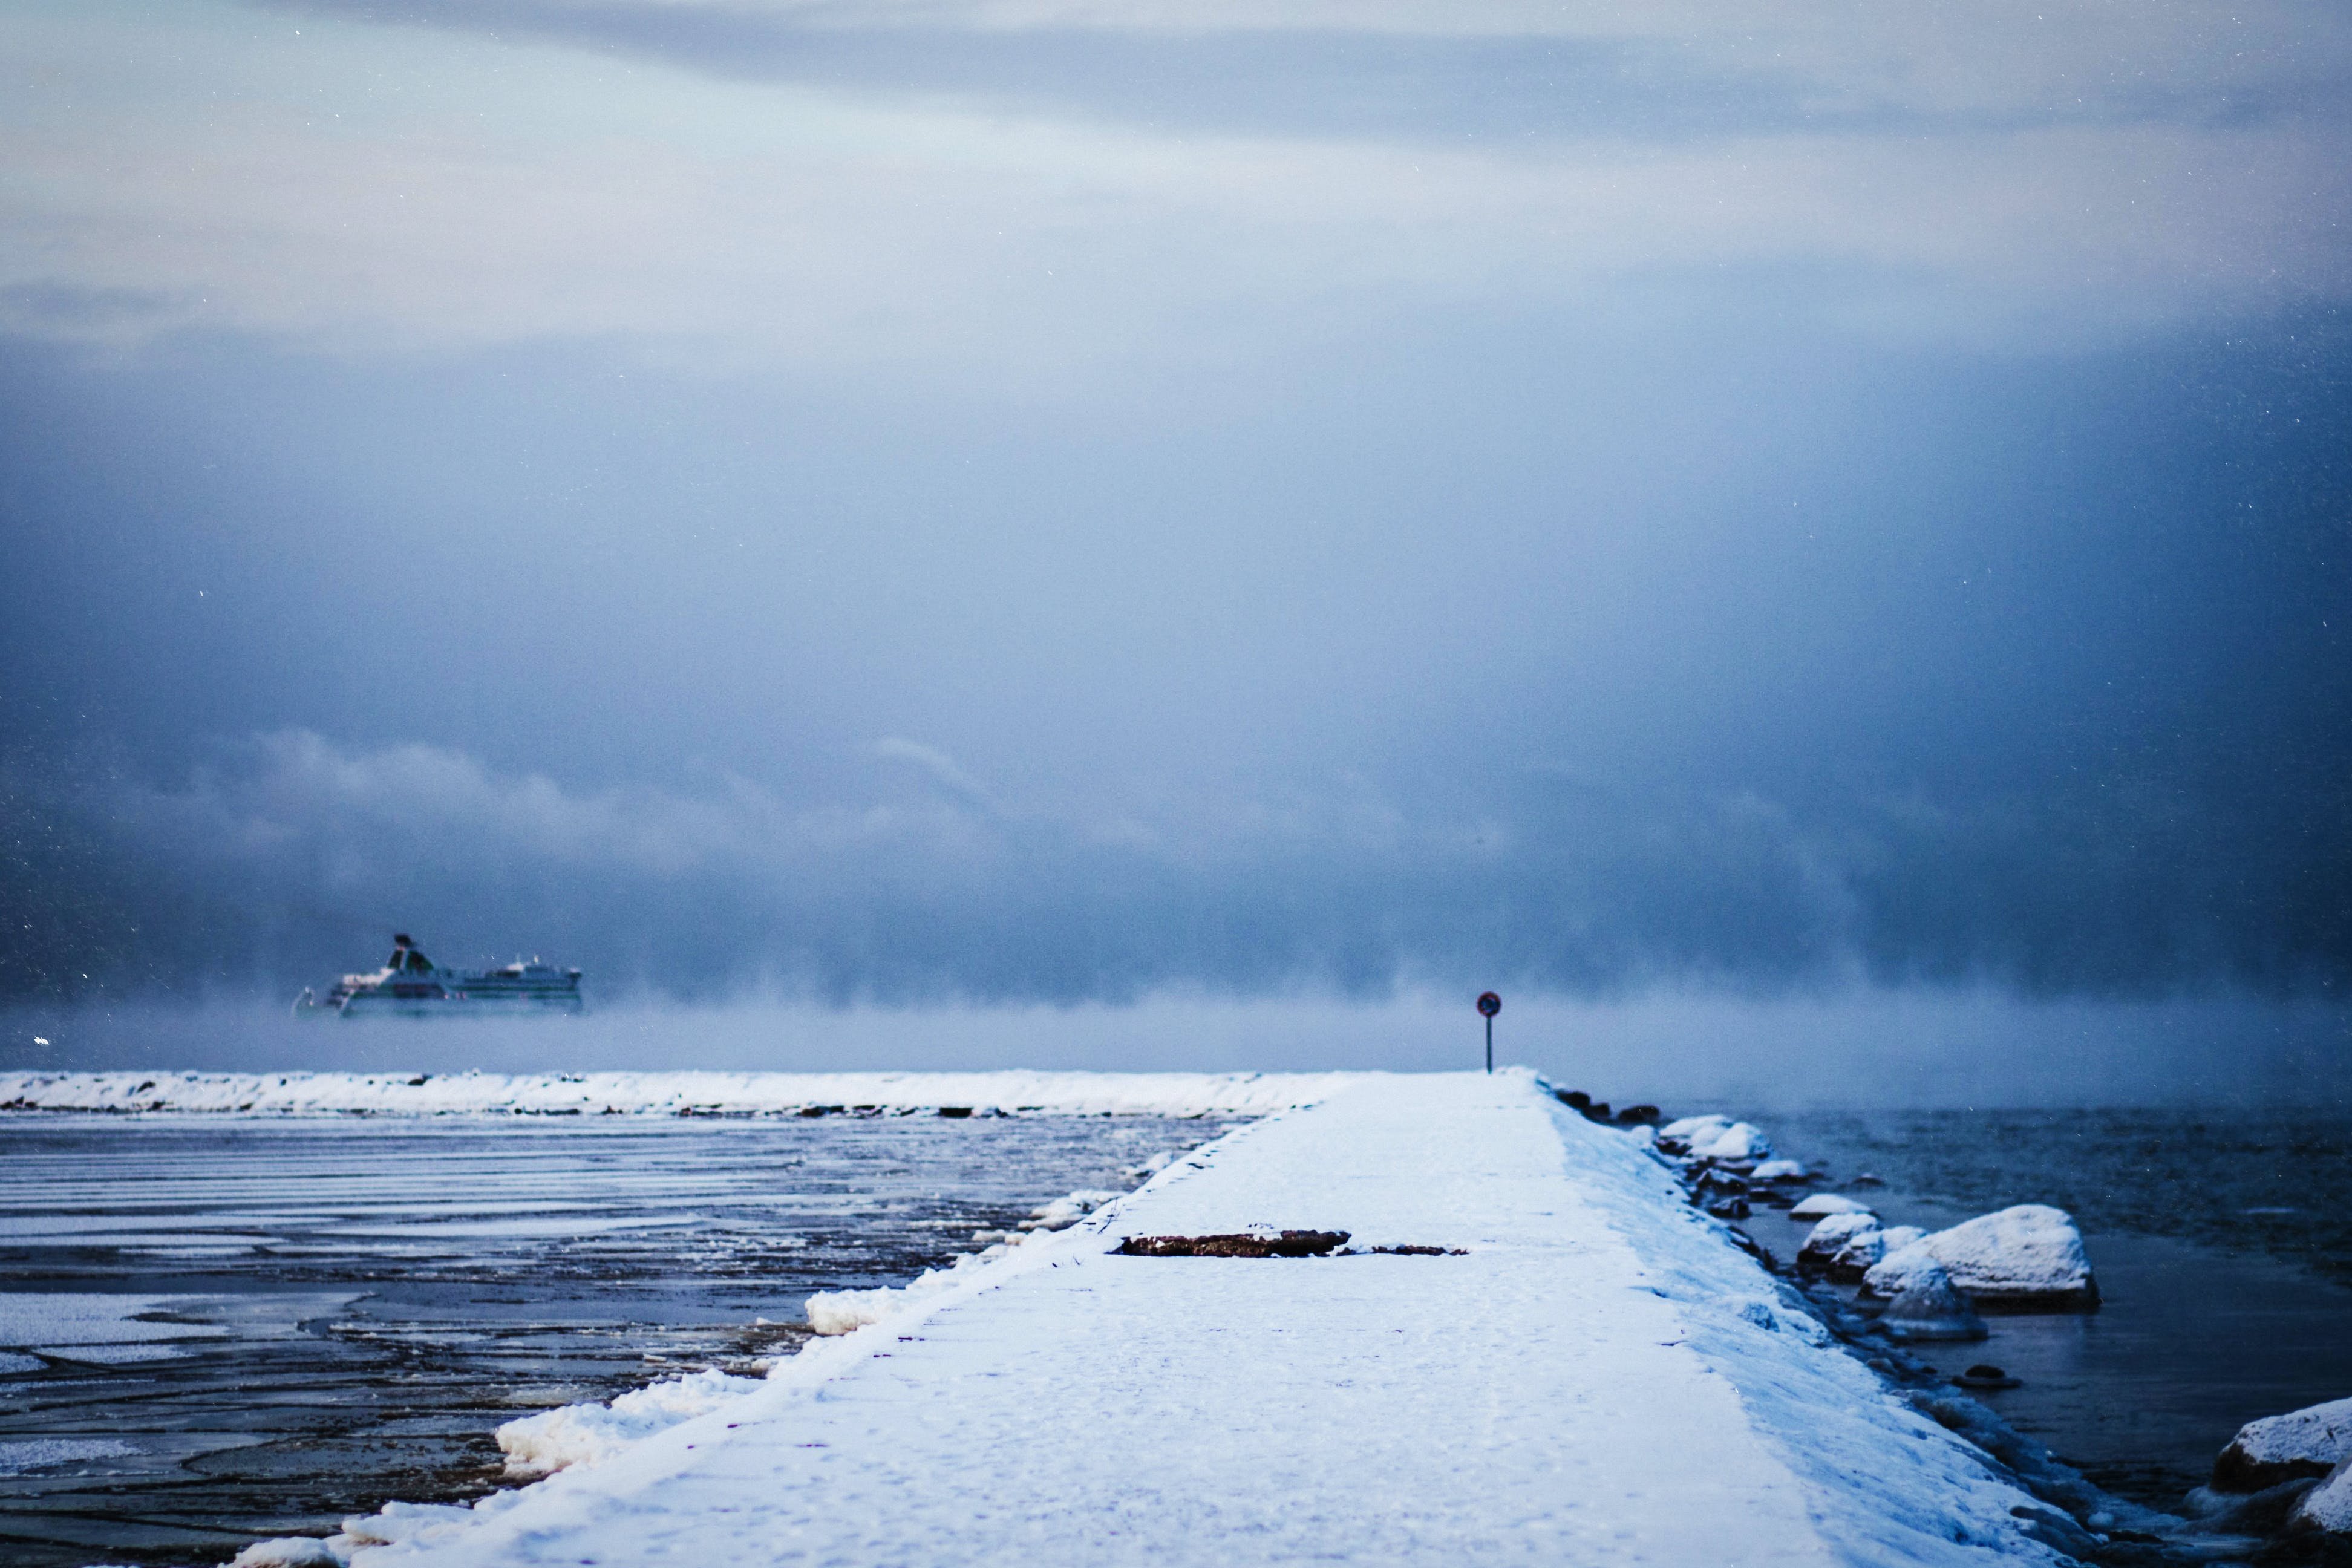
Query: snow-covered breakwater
(1599, 1374)
(668, 1093)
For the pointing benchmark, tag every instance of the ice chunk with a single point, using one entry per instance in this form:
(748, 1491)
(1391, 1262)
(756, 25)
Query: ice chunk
(1064, 1212)
(288, 1551)
(584, 1434)
(1929, 1307)
(1832, 1235)
(843, 1311)
(2027, 1258)
(2326, 1507)
(1822, 1205)
(2308, 1442)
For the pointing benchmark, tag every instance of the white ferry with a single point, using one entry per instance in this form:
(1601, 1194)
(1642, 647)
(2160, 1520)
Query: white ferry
(410, 984)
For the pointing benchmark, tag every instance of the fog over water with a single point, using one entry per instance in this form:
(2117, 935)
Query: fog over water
(1811, 551)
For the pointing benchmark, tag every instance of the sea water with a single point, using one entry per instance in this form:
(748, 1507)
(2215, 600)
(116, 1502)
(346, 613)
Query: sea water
(216, 1329)
(2222, 1241)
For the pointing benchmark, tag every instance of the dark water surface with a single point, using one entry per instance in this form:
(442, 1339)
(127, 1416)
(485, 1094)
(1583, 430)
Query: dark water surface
(2223, 1244)
(213, 1330)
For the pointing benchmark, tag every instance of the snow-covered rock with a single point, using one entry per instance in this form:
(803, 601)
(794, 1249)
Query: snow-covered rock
(1864, 1248)
(1740, 1141)
(1780, 1171)
(1831, 1236)
(1822, 1205)
(2327, 1507)
(1929, 1307)
(2028, 1258)
(2308, 1442)
(1714, 1137)
(584, 1434)
(1680, 1136)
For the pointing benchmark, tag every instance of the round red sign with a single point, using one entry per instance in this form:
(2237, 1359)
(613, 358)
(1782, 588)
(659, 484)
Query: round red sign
(1490, 1003)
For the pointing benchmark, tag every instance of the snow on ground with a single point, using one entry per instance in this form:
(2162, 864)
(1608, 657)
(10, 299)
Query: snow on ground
(667, 1093)
(1602, 1378)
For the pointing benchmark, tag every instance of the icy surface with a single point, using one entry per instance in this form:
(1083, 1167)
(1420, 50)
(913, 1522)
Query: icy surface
(665, 1093)
(20, 1456)
(89, 1326)
(1602, 1378)
(2028, 1255)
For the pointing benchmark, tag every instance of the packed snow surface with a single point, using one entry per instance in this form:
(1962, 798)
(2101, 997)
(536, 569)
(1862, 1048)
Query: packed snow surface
(1603, 1377)
(666, 1093)
(2025, 1256)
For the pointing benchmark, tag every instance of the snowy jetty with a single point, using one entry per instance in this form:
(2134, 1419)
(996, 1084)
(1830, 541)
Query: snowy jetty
(666, 1093)
(1599, 1374)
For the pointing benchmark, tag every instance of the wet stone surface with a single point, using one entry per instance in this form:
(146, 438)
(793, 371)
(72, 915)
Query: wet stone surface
(211, 1331)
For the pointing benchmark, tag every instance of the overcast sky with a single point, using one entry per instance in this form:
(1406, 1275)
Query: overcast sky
(1044, 501)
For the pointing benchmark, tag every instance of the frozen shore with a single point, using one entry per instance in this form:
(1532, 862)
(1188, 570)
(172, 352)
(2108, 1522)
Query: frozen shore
(666, 1093)
(1600, 1376)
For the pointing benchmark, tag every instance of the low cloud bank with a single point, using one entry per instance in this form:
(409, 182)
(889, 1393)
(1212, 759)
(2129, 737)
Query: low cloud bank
(293, 858)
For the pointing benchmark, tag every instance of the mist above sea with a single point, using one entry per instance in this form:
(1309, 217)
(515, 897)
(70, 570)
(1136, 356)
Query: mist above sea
(1916, 1049)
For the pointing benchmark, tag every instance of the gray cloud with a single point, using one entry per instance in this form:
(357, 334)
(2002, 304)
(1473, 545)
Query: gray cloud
(1559, 884)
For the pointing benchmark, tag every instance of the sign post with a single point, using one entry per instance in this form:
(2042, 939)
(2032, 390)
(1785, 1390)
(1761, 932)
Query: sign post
(1488, 1006)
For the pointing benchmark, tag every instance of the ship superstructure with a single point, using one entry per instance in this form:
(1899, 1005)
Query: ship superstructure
(410, 984)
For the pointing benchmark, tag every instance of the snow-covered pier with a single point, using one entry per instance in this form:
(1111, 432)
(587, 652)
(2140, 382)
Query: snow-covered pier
(1600, 1376)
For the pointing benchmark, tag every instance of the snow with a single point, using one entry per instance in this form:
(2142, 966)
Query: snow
(2327, 1506)
(1822, 1205)
(666, 1093)
(587, 1433)
(2028, 1255)
(1603, 1377)
(2308, 1442)
(1780, 1171)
